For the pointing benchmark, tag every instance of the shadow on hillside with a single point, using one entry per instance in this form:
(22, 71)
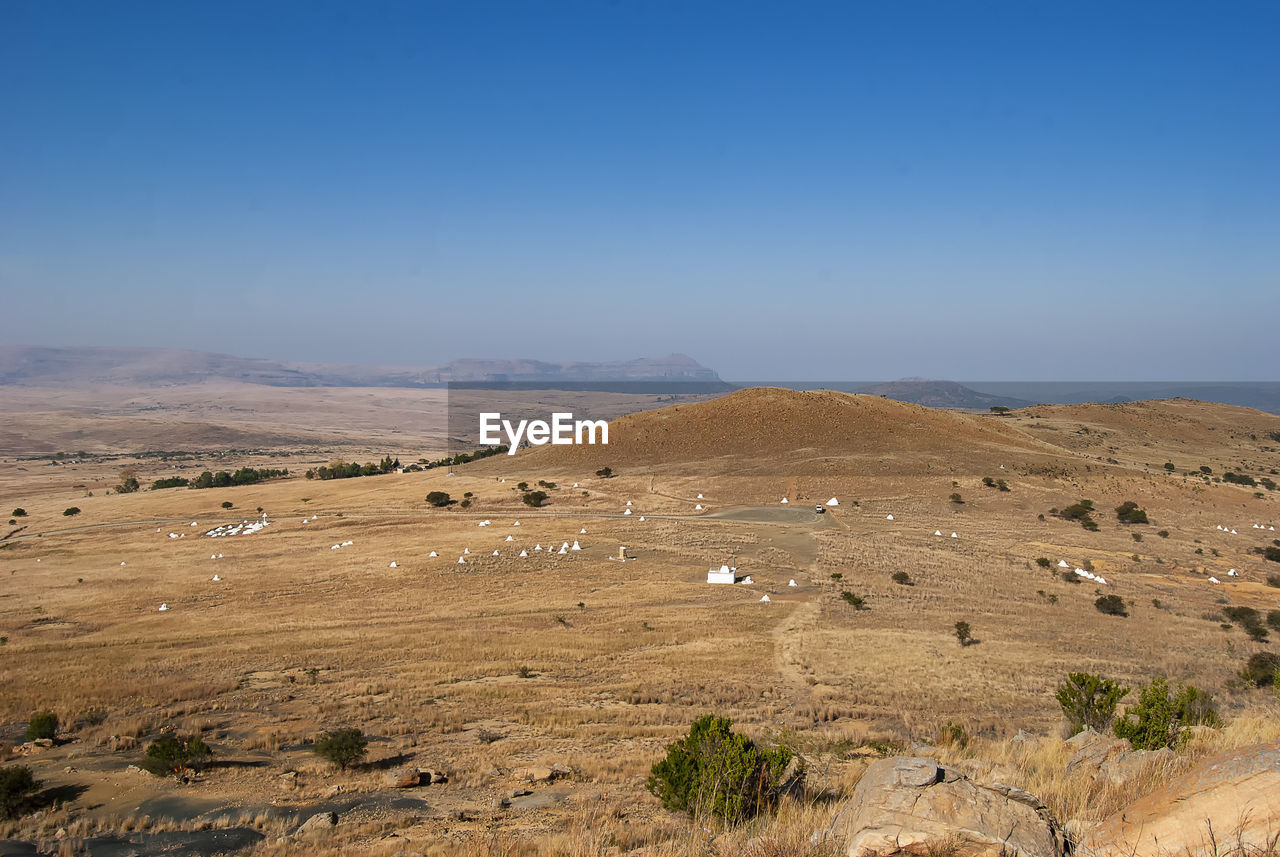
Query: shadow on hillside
(388, 763)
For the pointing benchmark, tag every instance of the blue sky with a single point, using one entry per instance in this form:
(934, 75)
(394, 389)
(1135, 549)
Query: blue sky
(1022, 190)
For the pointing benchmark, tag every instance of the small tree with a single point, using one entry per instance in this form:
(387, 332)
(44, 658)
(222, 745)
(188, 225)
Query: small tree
(963, 633)
(42, 726)
(1129, 513)
(957, 499)
(128, 481)
(855, 601)
(534, 498)
(1112, 605)
(604, 472)
(1089, 701)
(176, 755)
(17, 785)
(439, 499)
(343, 747)
(1043, 562)
(70, 511)
(713, 771)
(1261, 668)
(1161, 717)
(902, 578)
(19, 512)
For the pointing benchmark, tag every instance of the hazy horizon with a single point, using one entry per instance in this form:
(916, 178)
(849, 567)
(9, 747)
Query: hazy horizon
(780, 191)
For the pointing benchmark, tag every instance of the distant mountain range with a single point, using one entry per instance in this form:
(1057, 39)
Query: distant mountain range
(58, 367)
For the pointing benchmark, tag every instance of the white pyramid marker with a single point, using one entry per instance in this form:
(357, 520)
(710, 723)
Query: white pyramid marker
(791, 583)
(575, 546)
(764, 597)
(433, 553)
(524, 553)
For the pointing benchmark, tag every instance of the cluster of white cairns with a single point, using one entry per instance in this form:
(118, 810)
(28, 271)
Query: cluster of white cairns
(565, 548)
(243, 528)
(1087, 575)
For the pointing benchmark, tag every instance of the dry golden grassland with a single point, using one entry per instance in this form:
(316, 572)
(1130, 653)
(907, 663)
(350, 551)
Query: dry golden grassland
(501, 663)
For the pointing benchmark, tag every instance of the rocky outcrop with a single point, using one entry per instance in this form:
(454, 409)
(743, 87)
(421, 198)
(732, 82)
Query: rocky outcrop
(317, 824)
(1232, 799)
(914, 806)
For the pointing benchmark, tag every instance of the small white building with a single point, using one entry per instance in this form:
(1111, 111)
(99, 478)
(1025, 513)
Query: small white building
(723, 574)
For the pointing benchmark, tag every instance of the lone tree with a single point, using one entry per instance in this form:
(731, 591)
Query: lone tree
(604, 472)
(19, 512)
(343, 747)
(176, 755)
(439, 499)
(713, 771)
(128, 481)
(1129, 513)
(535, 498)
(17, 785)
(963, 634)
(1112, 605)
(42, 726)
(70, 511)
(1089, 701)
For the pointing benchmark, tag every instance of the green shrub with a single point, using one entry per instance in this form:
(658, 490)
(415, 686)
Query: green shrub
(1273, 619)
(713, 771)
(343, 747)
(953, 735)
(1249, 619)
(963, 633)
(439, 499)
(19, 512)
(1043, 562)
(1129, 513)
(856, 601)
(227, 504)
(1273, 554)
(534, 498)
(604, 472)
(1112, 605)
(42, 725)
(70, 511)
(1261, 668)
(1161, 717)
(1089, 701)
(17, 785)
(1168, 465)
(957, 499)
(175, 755)
(902, 578)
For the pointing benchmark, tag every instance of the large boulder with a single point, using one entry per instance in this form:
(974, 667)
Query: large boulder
(1091, 751)
(914, 806)
(1232, 797)
(402, 778)
(319, 823)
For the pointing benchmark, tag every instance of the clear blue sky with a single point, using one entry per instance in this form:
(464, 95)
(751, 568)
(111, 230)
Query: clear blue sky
(1020, 190)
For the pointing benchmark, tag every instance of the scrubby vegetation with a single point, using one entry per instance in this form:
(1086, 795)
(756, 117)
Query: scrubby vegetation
(465, 457)
(1082, 512)
(1248, 619)
(176, 755)
(1089, 701)
(41, 726)
(1129, 513)
(1162, 717)
(342, 747)
(1261, 668)
(1112, 605)
(713, 771)
(535, 498)
(71, 511)
(17, 785)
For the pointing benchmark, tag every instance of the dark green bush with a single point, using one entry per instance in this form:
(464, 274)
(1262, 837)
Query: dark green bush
(42, 725)
(1112, 605)
(713, 771)
(1043, 562)
(534, 498)
(343, 747)
(856, 601)
(1272, 553)
(1129, 513)
(1161, 717)
(175, 755)
(604, 472)
(70, 511)
(438, 499)
(902, 578)
(17, 785)
(1261, 668)
(1089, 701)
(963, 633)
(19, 512)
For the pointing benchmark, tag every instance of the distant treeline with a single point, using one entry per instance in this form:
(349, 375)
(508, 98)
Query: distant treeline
(221, 479)
(348, 470)
(464, 457)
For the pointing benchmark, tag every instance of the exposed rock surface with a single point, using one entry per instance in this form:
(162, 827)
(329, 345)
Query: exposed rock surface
(914, 806)
(1235, 797)
(318, 823)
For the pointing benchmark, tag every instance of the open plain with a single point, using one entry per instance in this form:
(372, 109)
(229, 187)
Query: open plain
(565, 674)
